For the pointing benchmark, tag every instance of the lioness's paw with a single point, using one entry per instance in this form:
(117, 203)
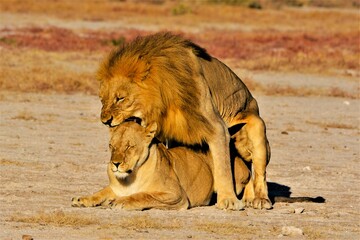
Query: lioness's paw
(261, 203)
(125, 204)
(230, 204)
(116, 204)
(77, 202)
(107, 202)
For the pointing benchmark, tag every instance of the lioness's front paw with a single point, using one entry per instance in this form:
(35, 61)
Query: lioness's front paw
(117, 204)
(261, 203)
(230, 204)
(77, 202)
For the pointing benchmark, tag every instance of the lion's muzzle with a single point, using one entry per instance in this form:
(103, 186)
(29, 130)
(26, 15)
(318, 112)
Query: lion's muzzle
(107, 121)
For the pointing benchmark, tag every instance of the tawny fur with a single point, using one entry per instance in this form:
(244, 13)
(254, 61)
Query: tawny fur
(162, 178)
(193, 98)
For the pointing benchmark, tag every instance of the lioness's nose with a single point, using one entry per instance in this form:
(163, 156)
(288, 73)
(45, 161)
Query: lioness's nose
(116, 164)
(107, 122)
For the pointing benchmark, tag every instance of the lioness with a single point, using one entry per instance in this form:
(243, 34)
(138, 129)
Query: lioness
(193, 98)
(144, 174)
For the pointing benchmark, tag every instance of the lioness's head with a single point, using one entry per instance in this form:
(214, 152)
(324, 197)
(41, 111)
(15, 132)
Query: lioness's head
(129, 147)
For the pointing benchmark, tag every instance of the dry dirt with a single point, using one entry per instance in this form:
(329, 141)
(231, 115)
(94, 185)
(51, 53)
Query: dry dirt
(53, 147)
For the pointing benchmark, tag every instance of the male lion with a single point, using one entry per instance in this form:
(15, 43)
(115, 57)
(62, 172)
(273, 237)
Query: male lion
(194, 99)
(144, 174)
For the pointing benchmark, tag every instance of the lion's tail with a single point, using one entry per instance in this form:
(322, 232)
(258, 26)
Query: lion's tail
(299, 199)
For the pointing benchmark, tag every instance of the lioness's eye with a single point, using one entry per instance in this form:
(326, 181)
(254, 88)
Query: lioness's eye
(119, 99)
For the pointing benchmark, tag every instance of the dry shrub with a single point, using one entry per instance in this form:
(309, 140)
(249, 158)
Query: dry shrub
(55, 218)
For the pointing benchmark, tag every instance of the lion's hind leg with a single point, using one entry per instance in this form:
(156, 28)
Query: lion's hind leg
(241, 174)
(252, 145)
(102, 198)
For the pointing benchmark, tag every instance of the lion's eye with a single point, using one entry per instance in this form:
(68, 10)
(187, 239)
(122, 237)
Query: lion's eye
(128, 147)
(119, 99)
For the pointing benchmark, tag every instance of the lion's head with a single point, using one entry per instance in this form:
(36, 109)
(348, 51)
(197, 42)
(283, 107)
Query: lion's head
(120, 101)
(129, 147)
(151, 78)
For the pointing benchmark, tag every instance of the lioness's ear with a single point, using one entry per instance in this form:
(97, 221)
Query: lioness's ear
(151, 130)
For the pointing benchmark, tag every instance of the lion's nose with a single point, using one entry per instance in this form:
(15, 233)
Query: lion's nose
(108, 122)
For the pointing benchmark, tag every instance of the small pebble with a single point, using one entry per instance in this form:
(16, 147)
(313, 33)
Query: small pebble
(299, 210)
(27, 237)
(307, 168)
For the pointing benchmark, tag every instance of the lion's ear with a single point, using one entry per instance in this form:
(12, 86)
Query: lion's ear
(151, 130)
(144, 71)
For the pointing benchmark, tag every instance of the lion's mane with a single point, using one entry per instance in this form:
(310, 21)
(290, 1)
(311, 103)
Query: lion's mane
(165, 76)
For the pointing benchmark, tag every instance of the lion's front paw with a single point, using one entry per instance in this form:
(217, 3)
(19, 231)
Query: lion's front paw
(230, 204)
(248, 203)
(261, 203)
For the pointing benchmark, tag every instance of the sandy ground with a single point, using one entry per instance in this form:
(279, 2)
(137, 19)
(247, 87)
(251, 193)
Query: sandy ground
(53, 147)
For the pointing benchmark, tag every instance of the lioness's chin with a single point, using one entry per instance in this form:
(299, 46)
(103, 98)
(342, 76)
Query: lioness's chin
(121, 175)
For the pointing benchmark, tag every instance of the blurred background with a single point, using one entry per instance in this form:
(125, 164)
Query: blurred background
(299, 58)
(56, 45)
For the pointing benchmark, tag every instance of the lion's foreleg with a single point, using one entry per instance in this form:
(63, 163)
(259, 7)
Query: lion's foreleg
(223, 180)
(144, 200)
(103, 197)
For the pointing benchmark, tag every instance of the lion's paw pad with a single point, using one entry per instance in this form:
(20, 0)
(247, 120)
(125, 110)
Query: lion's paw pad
(230, 204)
(262, 203)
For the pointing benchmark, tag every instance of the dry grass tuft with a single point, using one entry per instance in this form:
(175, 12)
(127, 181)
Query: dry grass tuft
(24, 115)
(56, 218)
(6, 162)
(332, 125)
(226, 228)
(144, 222)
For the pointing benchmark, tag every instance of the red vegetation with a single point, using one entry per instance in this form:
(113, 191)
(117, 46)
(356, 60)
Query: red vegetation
(265, 50)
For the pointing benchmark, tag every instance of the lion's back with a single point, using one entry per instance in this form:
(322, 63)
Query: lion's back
(230, 94)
